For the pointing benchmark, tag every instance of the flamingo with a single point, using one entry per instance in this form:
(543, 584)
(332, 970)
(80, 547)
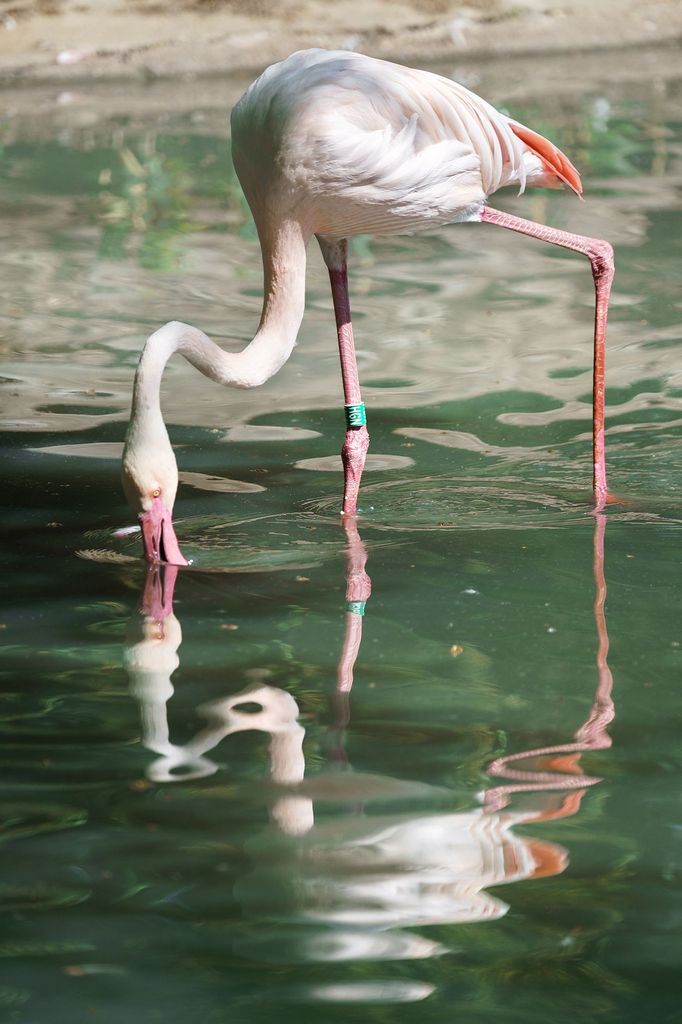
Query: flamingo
(335, 144)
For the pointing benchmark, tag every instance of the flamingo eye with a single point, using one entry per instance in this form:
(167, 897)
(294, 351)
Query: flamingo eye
(156, 493)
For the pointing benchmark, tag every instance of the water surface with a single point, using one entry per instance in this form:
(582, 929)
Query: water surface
(254, 799)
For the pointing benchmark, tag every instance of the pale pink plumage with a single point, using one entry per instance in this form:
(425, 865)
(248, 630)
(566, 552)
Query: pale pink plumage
(348, 144)
(335, 144)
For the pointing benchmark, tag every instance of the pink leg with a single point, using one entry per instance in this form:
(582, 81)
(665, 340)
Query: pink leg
(355, 446)
(600, 255)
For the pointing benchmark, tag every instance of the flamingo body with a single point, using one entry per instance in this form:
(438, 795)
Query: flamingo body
(347, 144)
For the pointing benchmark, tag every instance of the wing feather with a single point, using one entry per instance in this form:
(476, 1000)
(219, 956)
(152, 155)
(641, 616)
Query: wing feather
(373, 146)
(552, 158)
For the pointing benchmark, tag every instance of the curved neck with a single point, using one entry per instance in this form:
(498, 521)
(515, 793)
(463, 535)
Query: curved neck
(284, 259)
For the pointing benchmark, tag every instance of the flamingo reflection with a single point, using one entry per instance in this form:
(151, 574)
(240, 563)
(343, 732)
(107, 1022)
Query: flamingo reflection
(150, 663)
(355, 881)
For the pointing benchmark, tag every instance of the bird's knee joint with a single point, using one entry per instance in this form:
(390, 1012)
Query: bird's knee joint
(602, 259)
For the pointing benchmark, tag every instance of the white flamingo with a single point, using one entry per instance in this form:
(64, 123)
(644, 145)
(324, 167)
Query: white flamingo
(335, 144)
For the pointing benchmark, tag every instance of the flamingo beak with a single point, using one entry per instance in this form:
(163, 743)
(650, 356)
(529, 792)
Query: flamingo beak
(158, 536)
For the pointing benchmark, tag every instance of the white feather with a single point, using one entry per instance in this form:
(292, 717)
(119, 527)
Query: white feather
(363, 145)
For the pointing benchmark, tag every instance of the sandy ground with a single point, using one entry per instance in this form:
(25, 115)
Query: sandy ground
(70, 41)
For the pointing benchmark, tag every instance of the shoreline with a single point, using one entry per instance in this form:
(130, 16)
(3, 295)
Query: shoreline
(70, 43)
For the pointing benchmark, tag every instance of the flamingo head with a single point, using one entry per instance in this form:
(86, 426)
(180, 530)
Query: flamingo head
(150, 482)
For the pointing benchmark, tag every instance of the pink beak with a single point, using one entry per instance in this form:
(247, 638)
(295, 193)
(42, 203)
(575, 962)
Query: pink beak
(158, 536)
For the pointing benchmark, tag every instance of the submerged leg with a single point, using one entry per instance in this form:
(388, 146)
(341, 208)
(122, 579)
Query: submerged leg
(358, 590)
(356, 443)
(600, 255)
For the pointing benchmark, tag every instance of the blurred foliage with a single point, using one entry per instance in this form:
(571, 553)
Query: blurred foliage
(148, 188)
(144, 190)
(600, 141)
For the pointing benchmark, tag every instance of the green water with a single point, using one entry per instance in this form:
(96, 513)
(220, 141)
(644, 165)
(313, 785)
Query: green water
(268, 839)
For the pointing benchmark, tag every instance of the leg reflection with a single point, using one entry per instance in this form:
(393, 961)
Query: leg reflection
(550, 762)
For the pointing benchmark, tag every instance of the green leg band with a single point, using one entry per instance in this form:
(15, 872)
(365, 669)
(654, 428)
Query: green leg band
(355, 607)
(355, 415)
